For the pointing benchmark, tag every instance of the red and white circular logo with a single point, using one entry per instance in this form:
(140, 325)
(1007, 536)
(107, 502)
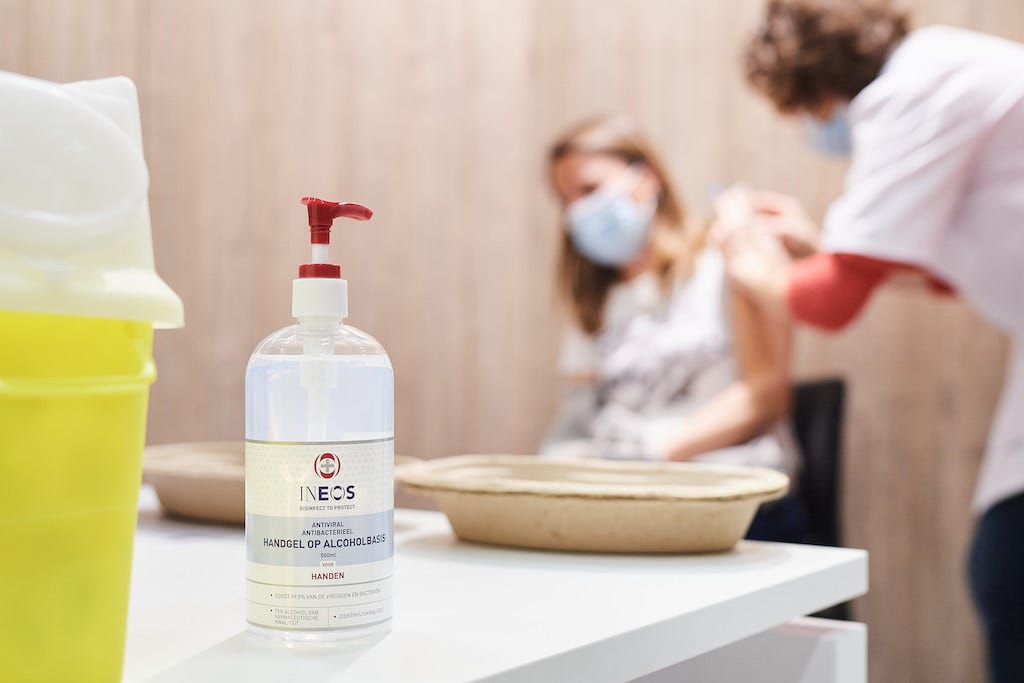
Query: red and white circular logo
(326, 465)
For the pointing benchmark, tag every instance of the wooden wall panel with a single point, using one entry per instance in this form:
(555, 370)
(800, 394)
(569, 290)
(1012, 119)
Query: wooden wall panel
(437, 114)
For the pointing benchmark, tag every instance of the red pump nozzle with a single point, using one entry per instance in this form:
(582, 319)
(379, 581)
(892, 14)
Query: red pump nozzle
(321, 215)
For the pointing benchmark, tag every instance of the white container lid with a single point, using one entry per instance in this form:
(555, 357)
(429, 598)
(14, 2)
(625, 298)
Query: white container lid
(75, 234)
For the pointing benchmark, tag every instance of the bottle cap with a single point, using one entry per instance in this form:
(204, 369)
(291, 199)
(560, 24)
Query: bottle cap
(319, 289)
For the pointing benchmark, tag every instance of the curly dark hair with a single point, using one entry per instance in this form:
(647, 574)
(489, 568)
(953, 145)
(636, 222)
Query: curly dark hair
(806, 52)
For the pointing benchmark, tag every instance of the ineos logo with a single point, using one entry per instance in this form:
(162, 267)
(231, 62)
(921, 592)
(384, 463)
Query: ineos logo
(326, 465)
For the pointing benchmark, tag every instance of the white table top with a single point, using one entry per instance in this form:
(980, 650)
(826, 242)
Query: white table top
(467, 612)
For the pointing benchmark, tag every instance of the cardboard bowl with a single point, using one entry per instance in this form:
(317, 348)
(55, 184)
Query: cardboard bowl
(595, 505)
(203, 480)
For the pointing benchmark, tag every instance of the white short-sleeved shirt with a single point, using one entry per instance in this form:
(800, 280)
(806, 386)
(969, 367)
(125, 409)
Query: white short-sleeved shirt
(937, 180)
(656, 361)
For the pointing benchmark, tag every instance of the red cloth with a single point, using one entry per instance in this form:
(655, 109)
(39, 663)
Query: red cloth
(829, 290)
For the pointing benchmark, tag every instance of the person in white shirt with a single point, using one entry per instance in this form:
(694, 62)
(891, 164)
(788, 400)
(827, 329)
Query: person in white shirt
(934, 119)
(667, 363)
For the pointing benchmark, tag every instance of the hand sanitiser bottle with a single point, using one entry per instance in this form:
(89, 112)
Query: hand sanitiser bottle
(319, 462)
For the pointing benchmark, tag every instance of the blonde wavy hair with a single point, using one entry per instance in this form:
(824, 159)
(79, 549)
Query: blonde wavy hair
(583, 284)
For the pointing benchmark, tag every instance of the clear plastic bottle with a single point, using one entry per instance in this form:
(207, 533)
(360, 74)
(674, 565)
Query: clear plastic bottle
(319, 471)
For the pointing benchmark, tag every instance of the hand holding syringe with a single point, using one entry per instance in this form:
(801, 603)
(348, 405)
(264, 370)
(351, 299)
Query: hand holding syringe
(757, 258)
(778, 215)
(761, 232)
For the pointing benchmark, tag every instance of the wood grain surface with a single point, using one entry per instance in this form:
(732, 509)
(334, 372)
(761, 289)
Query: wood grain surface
(437, 114)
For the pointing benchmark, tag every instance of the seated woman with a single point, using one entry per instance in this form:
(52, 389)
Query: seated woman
(665, 361)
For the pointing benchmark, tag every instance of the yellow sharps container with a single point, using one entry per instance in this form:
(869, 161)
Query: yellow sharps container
(79, 299)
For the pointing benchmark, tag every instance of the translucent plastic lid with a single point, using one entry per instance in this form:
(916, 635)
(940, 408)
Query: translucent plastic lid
(74, 221)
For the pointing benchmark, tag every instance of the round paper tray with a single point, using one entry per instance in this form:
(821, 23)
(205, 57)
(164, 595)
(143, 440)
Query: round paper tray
(592, 505)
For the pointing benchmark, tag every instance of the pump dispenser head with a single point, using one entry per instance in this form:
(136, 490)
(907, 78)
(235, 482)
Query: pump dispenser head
(319, 290)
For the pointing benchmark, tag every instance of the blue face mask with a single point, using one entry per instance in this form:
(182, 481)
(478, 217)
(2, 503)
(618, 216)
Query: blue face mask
(831, 137)
(608, 226)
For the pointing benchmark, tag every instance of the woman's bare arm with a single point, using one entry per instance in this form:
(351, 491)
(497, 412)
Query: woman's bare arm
(758, 399)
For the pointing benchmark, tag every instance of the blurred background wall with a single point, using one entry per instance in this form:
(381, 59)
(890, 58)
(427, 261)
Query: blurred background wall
(436, 114)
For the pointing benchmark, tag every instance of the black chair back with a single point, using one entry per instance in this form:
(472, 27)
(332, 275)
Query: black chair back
(817, 413)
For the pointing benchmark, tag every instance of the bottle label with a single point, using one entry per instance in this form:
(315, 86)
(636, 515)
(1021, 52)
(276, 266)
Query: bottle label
(319, 523)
